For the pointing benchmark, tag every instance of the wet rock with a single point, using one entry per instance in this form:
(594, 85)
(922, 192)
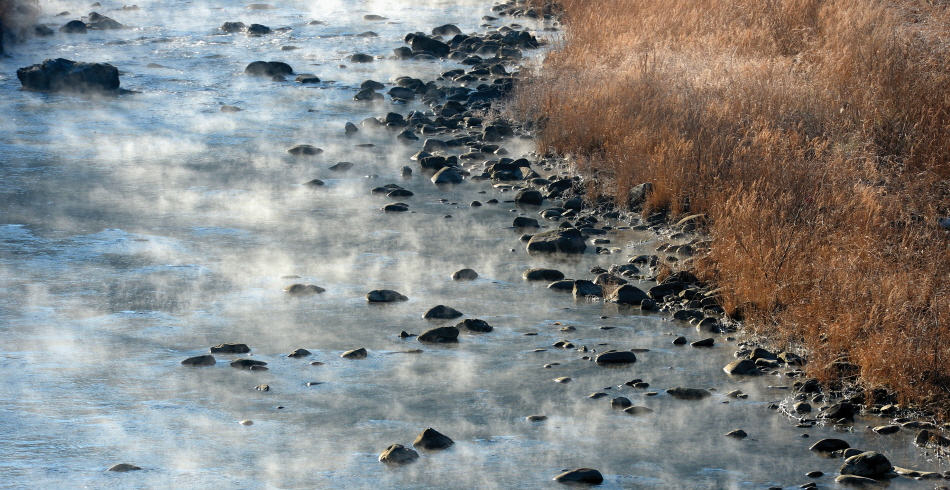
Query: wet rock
(688, 393)
(441, 312)
(397, 454)
(628, 295)
(829, 445)
(62, 75)
(529, 196)
(384, 296)
(869, 464)
(355, 354)
(474, 325)
(616, 357)
(741, 367)
(541, 274)
(123, 467)
(268, 69)
(580, 475)
(620, 403)
(197, 361)
(525, 222)
(432, 440)
(74, 27)
(638, 410)
(305, 150)
(298, 353)
(566, 241)
(737, 434)
(440, 335)
(464, 275)
(230, 349)
(246, 363)
(447, 175)
(584, 288)
(303, 289)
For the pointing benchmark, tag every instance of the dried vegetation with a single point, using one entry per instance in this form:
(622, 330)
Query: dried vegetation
(815, 136)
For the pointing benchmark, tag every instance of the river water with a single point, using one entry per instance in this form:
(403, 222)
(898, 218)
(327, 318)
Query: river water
(139, 230)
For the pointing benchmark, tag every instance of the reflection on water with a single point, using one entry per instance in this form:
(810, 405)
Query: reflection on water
(140, 230)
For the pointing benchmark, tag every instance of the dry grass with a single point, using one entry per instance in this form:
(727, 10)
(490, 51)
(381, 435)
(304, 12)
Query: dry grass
(814, 134)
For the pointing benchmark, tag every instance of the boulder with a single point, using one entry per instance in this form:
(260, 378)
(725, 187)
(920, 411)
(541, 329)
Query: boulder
(205, 360)
(246, 363)
(447, 175)
(541, 274)
(384, 296)
(230, 349)
(688, 393)
(355, 354)
(464, 275)
(741, 367)
(441, 312)
(432, 440)
(829, 445)
(628, 295)
(268, 69)
(562, 240)
(474, 325)
(397, 454)
(62, 75)
(580, 475)
(440, 335)
(869, 464)
(616, 357)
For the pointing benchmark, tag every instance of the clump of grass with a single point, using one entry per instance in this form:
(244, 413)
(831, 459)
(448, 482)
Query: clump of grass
(814, 135)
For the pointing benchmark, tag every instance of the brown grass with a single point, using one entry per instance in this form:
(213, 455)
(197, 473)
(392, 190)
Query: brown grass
(815, 136)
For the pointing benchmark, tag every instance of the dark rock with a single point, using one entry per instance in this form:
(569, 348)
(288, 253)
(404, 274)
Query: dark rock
(303, 289)
(688, 393)
(829, 445)
(302, 150)
(580, 475)
(384, 296)
(432, 440)
(616, 357)
(246, 363)
(230, 349)
(564, 240)
(355, 354)
(628, 295)
(868, 464)
(442, 312)
(123, 467)
(474, 325)
(268, 68)
(205, 360)
(741, 367)
(74, 27)
(397, 454)
(440, 335)
(464, 275)
(298, 353)
(62, 75)
(548, 275)
(529, 196)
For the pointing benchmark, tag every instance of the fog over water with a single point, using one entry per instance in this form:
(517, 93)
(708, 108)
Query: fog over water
(139, 230)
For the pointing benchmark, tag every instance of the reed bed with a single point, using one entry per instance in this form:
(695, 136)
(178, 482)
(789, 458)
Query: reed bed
(815, 137)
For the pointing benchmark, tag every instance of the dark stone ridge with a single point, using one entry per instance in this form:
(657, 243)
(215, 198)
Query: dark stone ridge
(268, 68)
(230, 349)
(247, 363)
(580, 475)
(432, 440)
(385, 296)
(355, 354)
(440, 335)
(441, 312)
(205, 360)
(62, 75)
(397, 454)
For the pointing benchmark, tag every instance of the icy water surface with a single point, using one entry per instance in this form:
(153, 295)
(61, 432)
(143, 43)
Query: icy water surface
(140, 230)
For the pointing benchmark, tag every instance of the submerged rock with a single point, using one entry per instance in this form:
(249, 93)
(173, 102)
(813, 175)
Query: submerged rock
(580, 475)
(432, 440)
(385, 296)
(397, 454)
(440, 335)
(62, 75)
(197, 361)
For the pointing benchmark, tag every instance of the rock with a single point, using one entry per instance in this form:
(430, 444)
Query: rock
(737, 434)
(741, 367)
(616, 357)
(464, 275)
(74, 27)
(843, 410)
(423, 43)
(688, 393)
(205, 360)
(397, 454)
(298, 353)
(620, 403)
(541, 274)
(355, 354)
(301, 150)
(628, 295)
(432, 440)
(869, 464)
(584, 288)
(529, 196)
(564, 240)
(447, 175)
(384, 296)
(268, 69)
(441, 312)
(303, 289)
(638, 410)
(474, 325)
(440, 335)
(829, 445)
(580, 475)
(230, 349)
(246, 363)
(62, 75)
(123, 467)
(525, 222)
(361, 58)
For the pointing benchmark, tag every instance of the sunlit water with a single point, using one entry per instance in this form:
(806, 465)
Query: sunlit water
(140, 230)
